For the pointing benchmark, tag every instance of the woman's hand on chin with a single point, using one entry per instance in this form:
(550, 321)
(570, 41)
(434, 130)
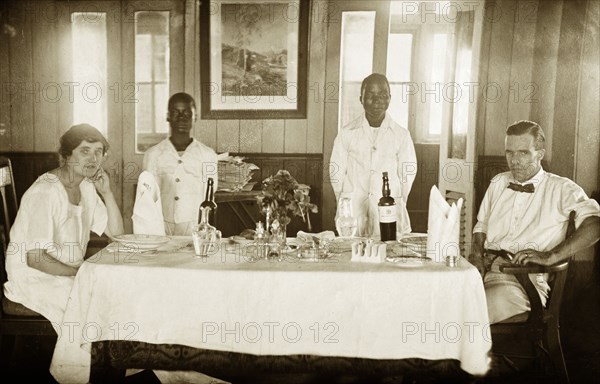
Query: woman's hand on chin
(102, 182)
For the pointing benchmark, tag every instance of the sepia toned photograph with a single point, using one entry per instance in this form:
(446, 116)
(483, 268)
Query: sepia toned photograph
(300, 191)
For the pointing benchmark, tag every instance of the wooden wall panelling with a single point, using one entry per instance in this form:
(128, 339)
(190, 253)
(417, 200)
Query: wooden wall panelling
(270, 166)
(484, 64)
(64, 44)
(250, 135)
(5, 130)
(20, 48)
(521, 90)
(544, 67)
(272, 136)
(295, 136)
(228, 136)
(316, 75)
(206, 132)
(588, 125)
(495, 91)
(45, 69)
(296, 167)
(567, 82)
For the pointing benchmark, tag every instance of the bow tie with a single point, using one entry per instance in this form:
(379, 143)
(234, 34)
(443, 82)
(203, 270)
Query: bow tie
(527, 188)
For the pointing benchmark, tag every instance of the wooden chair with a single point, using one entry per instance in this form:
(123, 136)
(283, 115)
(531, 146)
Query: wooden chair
(15, 319)
(540, 326)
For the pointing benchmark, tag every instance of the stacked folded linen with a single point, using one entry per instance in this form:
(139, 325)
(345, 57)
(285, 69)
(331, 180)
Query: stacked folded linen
(234, 174)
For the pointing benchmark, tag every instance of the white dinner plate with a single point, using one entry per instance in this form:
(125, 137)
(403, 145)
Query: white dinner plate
(141, 242)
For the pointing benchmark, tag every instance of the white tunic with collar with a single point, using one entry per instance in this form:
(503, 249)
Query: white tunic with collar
(182, 180)
(358, 161)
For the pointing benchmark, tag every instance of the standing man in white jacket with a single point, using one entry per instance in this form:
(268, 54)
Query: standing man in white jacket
(367, 146)
(181, 165)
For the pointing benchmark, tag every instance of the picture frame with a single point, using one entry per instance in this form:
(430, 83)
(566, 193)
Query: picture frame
(253, 59)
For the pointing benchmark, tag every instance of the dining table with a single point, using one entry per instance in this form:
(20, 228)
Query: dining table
(299, 303)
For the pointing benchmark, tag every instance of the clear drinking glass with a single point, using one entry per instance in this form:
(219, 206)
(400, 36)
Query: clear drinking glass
(205, 237)
(346, 224)
(206, 242)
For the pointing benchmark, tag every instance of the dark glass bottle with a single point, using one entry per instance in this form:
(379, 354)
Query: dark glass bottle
(387, 212)
(209, 202)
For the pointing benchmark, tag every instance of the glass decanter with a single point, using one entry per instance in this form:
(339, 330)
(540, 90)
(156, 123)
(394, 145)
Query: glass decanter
(261, 241)
(206, 238)
(346, 224)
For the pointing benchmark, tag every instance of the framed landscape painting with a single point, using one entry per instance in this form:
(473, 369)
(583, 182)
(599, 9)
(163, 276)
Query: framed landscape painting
(253, 59)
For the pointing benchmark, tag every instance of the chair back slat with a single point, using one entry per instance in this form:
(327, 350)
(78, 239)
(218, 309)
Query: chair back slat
(8, 198)
(560, 277)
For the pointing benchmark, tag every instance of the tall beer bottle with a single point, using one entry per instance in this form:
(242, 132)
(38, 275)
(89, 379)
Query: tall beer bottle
(209, 202)
(387, 212)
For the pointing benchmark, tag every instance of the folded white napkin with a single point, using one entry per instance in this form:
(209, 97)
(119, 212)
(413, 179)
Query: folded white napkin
(147, 210)
(443, 227)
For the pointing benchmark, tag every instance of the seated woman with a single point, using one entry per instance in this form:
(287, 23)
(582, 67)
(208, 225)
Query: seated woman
(50, 234)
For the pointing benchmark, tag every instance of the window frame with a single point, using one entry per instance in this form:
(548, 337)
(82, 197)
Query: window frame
(415, 31)
(153, 83)
(423, 32)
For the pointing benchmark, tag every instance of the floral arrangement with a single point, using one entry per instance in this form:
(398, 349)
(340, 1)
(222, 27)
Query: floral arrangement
(286, 198)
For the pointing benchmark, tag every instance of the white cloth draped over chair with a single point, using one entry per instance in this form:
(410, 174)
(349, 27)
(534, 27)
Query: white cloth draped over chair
(147, 210)
(443, 227)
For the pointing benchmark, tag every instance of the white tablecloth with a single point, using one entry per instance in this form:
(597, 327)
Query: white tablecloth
(225, 302)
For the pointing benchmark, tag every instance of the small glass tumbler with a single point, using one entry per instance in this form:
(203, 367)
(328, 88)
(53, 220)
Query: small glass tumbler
(206, 240)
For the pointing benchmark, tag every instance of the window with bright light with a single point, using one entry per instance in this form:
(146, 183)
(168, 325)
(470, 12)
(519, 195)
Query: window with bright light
(88, 36)
(436, 84)
(420, 64)
(151, 77)
(358, 31)
(399, 60)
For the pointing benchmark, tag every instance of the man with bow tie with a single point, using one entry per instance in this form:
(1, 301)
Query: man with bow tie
(523, 219)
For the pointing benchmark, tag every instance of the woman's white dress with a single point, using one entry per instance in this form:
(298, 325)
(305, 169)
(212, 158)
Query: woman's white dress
(47, 220)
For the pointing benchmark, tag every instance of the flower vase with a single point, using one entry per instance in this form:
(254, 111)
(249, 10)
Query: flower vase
(280, 235)
(278, 241)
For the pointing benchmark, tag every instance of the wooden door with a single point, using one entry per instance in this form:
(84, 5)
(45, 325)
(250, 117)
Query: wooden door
(348, 22)
(146, 96)
(458, 149)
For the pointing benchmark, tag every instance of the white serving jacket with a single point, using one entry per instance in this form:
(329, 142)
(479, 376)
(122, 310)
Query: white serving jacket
(358, 161)
(182, 180)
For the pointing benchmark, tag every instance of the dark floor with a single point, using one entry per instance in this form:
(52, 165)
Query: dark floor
(580, 331)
